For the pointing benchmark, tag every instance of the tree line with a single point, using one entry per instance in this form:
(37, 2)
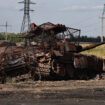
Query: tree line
(14, 38)
(86, 39)
(90, 39)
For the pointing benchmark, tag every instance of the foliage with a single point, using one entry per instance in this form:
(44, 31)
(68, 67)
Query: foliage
(90, 39)
(2, 37)
(14, 37)
(11, 37)
(86, 39)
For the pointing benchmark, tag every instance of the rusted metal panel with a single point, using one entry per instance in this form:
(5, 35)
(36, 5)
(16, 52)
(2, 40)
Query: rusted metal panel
(80, 62)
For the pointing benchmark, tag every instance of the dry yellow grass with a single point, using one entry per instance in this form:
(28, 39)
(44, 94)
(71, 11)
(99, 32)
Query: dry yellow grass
(98, 51)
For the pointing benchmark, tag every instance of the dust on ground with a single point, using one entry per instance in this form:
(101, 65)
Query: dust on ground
(53, 93)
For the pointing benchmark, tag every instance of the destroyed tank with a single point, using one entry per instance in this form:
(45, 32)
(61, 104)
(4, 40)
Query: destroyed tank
(57, 52)
(51, 52)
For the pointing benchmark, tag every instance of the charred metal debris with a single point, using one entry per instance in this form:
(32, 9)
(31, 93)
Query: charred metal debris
(51, 52)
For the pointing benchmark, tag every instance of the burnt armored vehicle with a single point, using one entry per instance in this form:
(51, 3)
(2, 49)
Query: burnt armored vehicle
(57, 53)
(51, 52)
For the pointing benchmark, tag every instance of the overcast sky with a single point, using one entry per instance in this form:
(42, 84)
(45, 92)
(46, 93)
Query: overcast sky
(81, 14)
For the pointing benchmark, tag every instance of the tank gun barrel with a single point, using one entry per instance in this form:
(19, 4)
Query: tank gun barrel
(91, 46)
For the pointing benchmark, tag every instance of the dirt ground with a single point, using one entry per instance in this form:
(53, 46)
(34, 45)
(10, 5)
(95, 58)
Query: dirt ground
(53, 93)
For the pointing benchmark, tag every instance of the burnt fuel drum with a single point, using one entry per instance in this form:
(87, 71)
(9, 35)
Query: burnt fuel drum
(51, 52)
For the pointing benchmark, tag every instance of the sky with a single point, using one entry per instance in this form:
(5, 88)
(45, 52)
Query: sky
(80, 14)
